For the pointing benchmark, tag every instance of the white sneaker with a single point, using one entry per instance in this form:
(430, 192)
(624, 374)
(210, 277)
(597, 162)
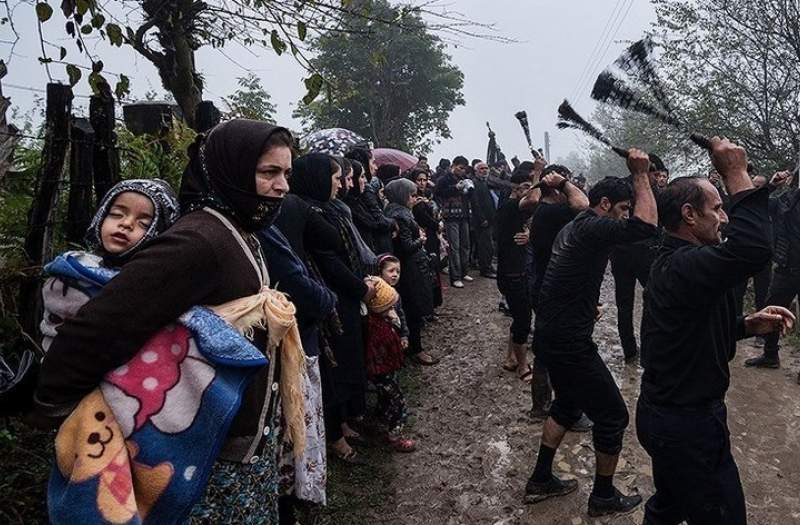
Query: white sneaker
(468, 278)
(458, 284)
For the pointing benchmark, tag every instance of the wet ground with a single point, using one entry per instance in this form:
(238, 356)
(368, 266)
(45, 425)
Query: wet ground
(478, 445)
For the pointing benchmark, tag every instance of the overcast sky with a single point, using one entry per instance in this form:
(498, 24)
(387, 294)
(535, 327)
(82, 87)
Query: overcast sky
(558, 41)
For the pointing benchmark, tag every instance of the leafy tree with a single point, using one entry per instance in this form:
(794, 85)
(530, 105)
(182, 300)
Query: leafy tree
(168, 33)
(251, 100)
(396, 86)
(733, 68)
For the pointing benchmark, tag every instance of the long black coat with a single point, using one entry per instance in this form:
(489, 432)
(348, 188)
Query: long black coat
(382, 225)
(327, 251)
(416, 280)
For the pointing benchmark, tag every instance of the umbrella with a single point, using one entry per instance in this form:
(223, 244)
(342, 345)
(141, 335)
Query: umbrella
(333, 141)
(383, 156)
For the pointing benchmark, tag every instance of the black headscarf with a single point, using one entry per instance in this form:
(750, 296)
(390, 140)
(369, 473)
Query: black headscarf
(346, 166)
(221, 173)
(311, 177)
(358, 170)
(363, 156)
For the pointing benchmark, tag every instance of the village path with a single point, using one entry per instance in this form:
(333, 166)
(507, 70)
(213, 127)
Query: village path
(477, 444)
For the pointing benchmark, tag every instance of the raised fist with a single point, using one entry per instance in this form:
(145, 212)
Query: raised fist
(727, 157)
(638, 162)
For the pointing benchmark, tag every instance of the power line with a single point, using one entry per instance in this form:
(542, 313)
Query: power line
(597, 46)
(602, 57)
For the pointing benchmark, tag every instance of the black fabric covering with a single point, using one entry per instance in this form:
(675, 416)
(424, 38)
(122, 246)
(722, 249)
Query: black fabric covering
(221, 173)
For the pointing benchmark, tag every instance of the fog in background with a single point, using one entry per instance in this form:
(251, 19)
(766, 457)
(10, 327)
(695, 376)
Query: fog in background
(562, 46)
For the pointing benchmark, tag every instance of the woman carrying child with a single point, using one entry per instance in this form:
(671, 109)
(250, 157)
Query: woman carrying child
(233, 187)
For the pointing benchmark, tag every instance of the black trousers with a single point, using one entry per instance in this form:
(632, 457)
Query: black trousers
(695, 475)
(582, 384)
(415, 325)
(784, 288)
(484, 247)
(627, 268)
(761, 284)
(518, 298)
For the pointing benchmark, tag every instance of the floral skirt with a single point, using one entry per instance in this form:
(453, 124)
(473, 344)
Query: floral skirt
(241, 493)
(305, 477)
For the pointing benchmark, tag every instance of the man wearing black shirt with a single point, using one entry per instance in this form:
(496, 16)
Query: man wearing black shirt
(631, 263)
(689, 335)
(565, 317)
(512, 236)
(552, 210)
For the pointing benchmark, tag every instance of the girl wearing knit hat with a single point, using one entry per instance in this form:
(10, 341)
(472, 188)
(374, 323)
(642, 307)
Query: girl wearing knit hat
(384, 358)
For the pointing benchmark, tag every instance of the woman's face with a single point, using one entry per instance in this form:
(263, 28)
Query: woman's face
(362, 182)
(272, 172)
(348, 180)
(373, 168)
(336, 182)
(422, 182)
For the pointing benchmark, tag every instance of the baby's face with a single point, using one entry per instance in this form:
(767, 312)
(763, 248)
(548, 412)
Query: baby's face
(127, 221)
(391, 273)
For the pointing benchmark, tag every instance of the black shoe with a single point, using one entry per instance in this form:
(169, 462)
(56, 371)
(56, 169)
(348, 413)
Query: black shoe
(537, 491)
(763, 361)
(489, 275)
(584, 424)
(617, 504)
(631, 357)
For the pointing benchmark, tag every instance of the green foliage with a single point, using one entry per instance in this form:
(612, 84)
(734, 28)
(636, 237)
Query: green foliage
(251, 101)
(147, 156)
(732, 67)
(394, 84)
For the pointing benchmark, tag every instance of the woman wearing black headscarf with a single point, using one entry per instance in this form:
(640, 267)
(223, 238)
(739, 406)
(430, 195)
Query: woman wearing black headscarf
(329, 246)
(416, 281)
(381, 227)
(233, 186)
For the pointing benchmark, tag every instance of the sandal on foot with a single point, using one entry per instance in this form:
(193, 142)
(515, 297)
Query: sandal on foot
(351, 457)
(527, 376)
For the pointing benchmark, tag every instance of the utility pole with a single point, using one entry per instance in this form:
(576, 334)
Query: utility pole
(547, 146)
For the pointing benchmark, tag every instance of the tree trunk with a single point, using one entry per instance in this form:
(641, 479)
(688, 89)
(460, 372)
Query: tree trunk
(175, 22)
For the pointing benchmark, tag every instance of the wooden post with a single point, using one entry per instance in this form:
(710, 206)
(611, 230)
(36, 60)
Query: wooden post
(80, 204)
(207, 116)
(106, 155)
(54, 153)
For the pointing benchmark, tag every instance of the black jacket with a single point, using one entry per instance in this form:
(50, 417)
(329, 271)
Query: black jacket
(690, 327)
(454, 203)
(482, 204)
(570, 290)
(785, 211)
(416, 280)
(381, 226)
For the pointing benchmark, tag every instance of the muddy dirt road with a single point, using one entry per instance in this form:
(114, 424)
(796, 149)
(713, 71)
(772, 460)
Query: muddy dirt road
(477, 444)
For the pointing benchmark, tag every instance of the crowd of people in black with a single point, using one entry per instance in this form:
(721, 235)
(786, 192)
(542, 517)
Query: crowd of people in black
(361, 252)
